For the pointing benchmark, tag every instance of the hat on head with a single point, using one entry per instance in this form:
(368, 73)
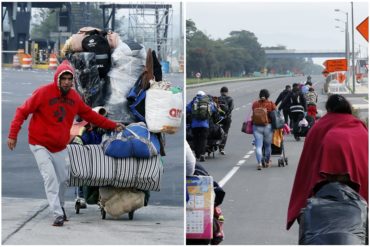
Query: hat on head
(201, 93)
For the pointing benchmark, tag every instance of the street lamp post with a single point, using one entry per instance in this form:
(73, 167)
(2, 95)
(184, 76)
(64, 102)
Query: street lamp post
(346, 44)
(353, 51)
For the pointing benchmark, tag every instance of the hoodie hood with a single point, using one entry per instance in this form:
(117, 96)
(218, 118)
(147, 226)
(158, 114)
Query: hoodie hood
(64, 67)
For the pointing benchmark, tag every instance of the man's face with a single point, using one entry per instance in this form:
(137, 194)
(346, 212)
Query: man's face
(66, 82)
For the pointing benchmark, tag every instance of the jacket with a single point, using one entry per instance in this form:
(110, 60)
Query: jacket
(195, 123)
(230, 103)
(53, 114)
(290, 100)
(282, 96)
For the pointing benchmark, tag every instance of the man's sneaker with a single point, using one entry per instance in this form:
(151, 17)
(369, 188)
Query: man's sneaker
(222, 152)
(259, 167)
(64, 215)
(59, 221)
(202, 158)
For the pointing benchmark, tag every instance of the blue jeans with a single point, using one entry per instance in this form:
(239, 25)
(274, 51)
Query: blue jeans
(262, 136)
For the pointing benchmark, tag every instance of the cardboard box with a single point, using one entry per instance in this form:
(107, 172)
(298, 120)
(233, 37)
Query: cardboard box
(199, 208)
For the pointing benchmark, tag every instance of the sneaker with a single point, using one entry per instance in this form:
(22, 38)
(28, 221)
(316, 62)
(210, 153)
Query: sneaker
(202, 158)
(64, 215)
(259, 167)
(59, 221)
(268, 164)
(297, 138)
(222, 152)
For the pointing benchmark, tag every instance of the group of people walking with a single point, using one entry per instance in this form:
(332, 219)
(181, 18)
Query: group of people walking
(204, 113)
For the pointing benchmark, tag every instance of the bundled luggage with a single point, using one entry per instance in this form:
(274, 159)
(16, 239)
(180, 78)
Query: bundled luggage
(125, 165)
(336, 215)
(303, 126)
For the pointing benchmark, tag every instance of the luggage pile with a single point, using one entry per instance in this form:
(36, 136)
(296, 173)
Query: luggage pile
(126, 82)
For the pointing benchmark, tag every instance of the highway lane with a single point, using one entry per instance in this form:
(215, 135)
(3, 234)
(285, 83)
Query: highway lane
(20, 175)
(256, 202)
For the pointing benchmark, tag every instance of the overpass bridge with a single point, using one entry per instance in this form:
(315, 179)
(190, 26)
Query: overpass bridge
(292, 53)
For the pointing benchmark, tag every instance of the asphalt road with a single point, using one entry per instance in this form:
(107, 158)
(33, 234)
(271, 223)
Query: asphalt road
(20, 175)
(256, 202)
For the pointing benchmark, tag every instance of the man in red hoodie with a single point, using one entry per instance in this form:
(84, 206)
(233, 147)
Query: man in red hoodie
(53, 108)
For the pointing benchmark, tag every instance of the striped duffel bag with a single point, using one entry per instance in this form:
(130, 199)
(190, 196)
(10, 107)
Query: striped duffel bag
(89, 166)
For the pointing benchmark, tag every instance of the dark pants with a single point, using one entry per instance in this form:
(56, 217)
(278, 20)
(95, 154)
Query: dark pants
(199, 141)
(286, 115)
(295, 117)
(226, 123)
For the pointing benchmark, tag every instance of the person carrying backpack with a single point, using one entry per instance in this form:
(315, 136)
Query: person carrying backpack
(200, 109)
(226, 105)
(297, 106)
(262, 130)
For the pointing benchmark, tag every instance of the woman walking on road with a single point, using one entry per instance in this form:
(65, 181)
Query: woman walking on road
(262, 130)
(336, 149)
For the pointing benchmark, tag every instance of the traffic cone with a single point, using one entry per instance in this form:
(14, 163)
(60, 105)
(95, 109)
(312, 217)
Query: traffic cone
(26, 61)
(16, 63)
(53, 61)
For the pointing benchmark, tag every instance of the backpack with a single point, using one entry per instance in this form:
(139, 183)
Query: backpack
(259, 116)
(311, 97)
(97, 42)
(222, 103)
(201, 109)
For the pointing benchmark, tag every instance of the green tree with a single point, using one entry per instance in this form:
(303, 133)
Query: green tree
(254, 55)
(46, 23)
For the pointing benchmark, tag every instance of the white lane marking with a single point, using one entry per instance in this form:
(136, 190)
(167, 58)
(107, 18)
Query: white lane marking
(249, 103)
(247, 156)
(251, 152)
(228, 175)
(240, 162)
(244, 106)
(6, 100)
(7, 92)
(26, 83)
(231, 173)
(237, 109)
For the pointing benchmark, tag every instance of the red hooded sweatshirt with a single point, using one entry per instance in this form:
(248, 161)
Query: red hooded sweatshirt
(337, 145)
(53, 114)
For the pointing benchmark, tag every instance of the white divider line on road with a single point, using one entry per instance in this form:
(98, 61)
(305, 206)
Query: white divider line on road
(237, 109)
(250, 152)
(231, 173)
(241, 162)
(228, 176)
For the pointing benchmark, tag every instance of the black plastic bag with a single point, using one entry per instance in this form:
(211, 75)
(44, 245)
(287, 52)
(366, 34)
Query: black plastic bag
(335, 215)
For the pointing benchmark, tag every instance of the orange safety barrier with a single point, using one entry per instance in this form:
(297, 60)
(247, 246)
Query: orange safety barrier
(16, 63)
(26, 61)
(53, 61)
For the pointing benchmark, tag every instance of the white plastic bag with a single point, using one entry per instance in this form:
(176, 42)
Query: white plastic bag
(163, 108)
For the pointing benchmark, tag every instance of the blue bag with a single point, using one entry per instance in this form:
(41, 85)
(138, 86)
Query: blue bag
(134, 141)
(136, 100)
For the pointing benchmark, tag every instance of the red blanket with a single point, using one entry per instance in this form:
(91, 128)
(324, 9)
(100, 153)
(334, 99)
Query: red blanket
(337, 144)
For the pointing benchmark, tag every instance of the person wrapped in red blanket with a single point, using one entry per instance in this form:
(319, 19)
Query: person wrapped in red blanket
(336, 147)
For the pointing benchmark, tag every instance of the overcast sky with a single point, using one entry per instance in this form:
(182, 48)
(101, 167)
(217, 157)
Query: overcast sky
(296, 25)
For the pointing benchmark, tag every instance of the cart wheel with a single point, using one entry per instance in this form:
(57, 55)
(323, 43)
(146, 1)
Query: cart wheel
(286, 161)
(103, 213)
(279, 163)
(77, 207)
(131, 215)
